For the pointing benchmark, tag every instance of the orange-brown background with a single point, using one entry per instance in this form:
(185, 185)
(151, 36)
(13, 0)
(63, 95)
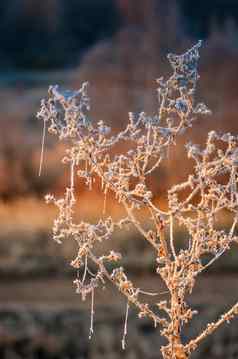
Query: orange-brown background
(120, 47)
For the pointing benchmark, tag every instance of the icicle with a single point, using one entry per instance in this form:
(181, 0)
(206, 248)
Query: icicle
(85, 269)
(105, 201)
(123, 342)
(72, 175)
(42, 148)
(171, 231)
(92, 315)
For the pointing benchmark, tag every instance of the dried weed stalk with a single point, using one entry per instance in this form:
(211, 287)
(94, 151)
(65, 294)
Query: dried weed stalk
(194, 204)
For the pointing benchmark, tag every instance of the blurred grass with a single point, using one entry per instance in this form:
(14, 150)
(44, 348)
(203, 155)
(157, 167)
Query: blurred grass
(27, 249)
(122, 72)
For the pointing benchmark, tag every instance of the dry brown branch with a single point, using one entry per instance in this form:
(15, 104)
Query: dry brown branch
(194, 205)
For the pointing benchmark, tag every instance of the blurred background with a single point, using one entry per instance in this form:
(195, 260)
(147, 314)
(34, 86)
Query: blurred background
(120, 47)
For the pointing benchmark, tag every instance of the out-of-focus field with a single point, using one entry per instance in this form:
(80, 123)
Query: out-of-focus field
(40, 315)
(46, 319)
(120, 82)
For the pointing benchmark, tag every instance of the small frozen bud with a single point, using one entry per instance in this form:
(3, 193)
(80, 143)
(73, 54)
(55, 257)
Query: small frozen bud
(202, 109)
(49, 198)
(181, 105)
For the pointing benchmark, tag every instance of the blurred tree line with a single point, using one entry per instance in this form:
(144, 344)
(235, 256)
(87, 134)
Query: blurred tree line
(52, 33)
(55, 33)
(204, 13)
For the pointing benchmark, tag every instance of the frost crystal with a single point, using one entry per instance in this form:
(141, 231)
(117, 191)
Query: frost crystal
(194, 205)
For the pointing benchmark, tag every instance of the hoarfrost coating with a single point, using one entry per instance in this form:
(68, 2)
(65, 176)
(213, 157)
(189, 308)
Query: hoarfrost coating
(194, 204)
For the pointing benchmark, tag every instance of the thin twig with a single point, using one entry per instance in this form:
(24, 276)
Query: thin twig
(92, 315)
(123, 342)
(42, 148)
(171, 232)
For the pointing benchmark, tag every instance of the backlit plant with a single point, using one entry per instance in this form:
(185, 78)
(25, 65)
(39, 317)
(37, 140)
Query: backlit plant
(195, 205)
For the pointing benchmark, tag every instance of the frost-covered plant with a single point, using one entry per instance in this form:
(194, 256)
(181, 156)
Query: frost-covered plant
(195, 204)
